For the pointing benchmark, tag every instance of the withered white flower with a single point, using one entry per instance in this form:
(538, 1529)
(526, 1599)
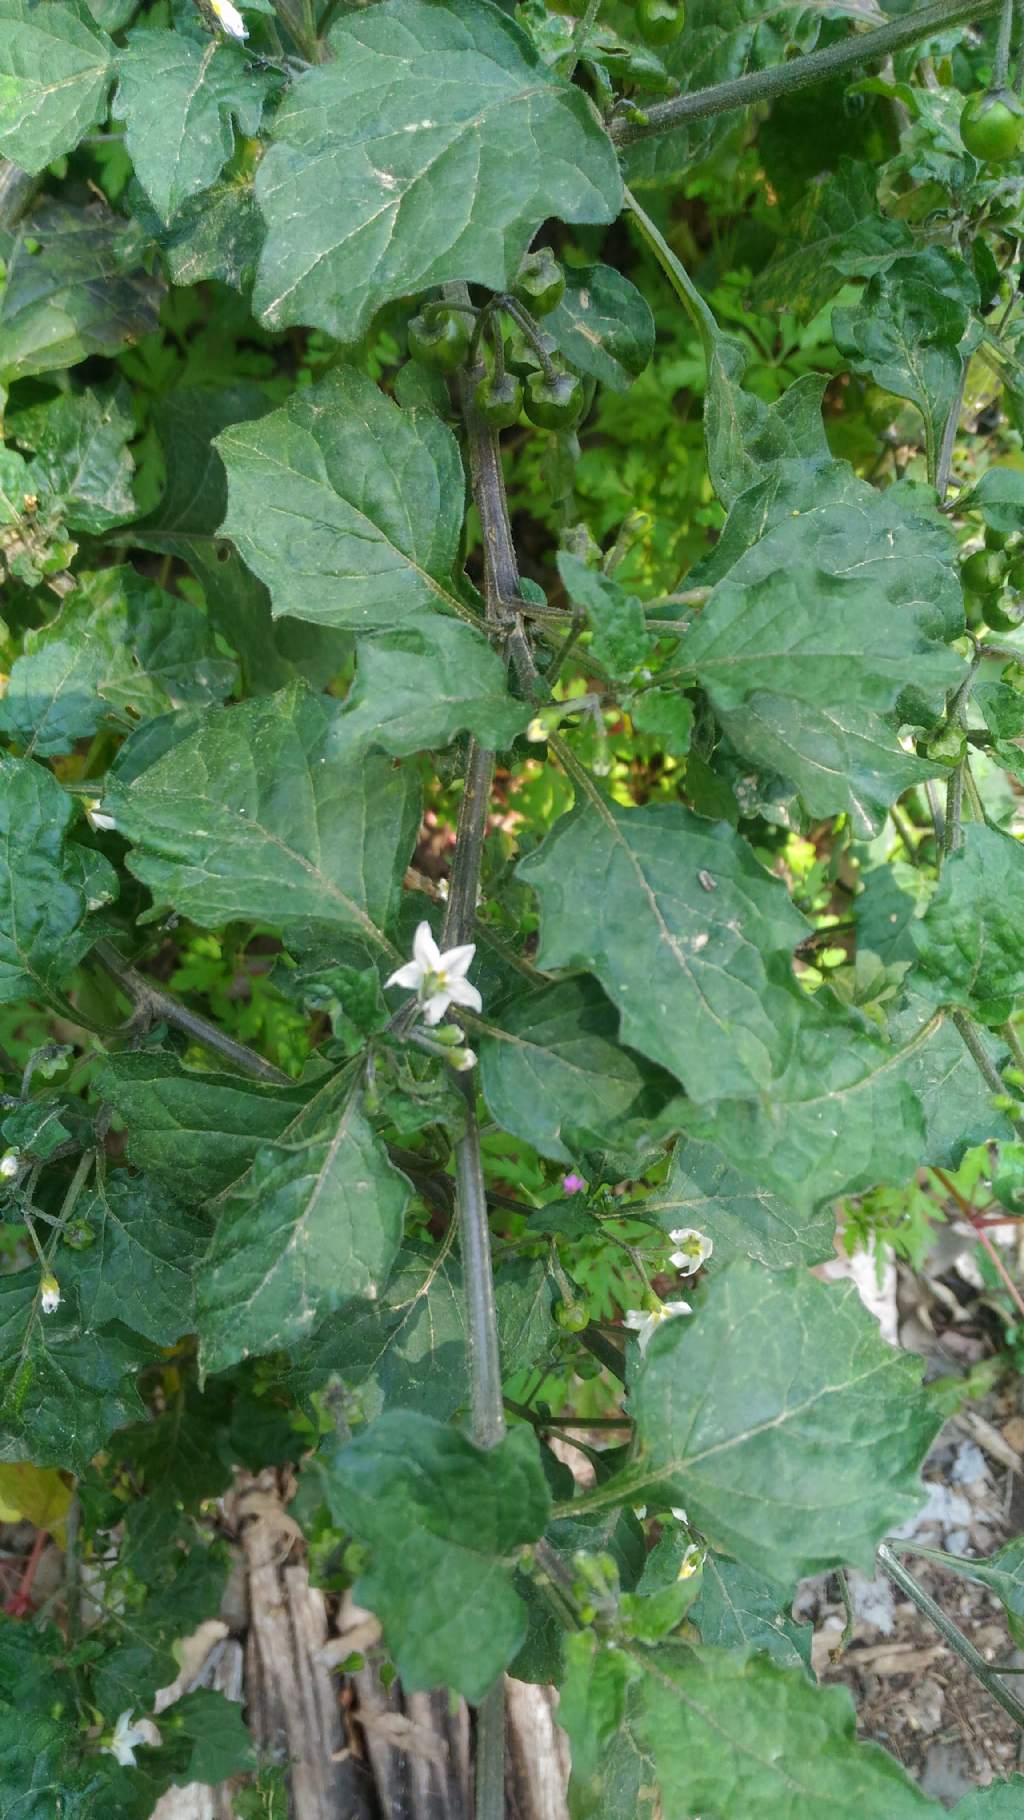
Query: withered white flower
(439, 980)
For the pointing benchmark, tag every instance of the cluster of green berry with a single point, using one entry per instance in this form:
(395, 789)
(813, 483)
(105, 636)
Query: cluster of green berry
(993, 580)
(524, 370)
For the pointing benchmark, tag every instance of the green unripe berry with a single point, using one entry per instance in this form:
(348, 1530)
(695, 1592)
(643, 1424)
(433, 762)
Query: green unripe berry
(499, 401)
(991, 127)
(554, 405)
(572, 1316)
(540, 283)
(984, 571)
(439, 341)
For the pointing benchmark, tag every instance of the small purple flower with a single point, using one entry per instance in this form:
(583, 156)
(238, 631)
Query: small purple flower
(573, 1183)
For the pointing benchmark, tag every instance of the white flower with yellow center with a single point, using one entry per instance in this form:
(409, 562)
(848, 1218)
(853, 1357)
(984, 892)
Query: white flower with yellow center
(10, 1163)
(439, 980)
(229, 19)
(127, 1734)
(695, 1248)
(644, 1321)
(49, 1294)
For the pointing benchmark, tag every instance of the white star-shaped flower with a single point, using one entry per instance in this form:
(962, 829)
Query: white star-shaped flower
(643, 1321)
(49, 1294)
(10, 1163)
(695, 1248)
(439, 980)
(229, 19)
(95, 816)
(128, 1733)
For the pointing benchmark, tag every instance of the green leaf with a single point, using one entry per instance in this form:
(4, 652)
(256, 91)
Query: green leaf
(827, 596)
(999, 1801)
(120, 651)
(140, 1268)
(431, 148)
(193, 1133)
(443, 1519)
(603, 326)
(185, 523)
(818, 1465)
(408, 1348)
(553, 1074)
(843, 1113)
(968, 942)
(678, 921)
(263, 813)
(219, 1738)
(955, 1099)
(45, 890)
(216, 235)
(744, 435)
(179, 99)
(734, 1734)
(417, 688)
(737, 1608)
(743, 1218)
(314, 1223)
(73, 290)
(999, 497)
(81, 454)
(1002, 1573)
(63, 1388)
(913, 329)
(837, 234)
(346, 506)
(620, 642)
(55, 70)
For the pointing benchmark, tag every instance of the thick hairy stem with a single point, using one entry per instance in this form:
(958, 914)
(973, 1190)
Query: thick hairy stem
(950, 1632)
(151, 1004)
(803, 72)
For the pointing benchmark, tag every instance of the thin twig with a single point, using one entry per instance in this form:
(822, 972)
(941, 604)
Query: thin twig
(950, 1632)
(802, 72)
(971, 1036)
(978, 1226)
(152, 1005)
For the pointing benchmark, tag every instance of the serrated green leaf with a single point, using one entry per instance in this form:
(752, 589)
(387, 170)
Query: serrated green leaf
(192, 1132)
(407, 1349)
(314, 1223)
(443, 1519)
(737, 1608)
(912, 331)
(838, 233)
(72, 290)
(185, 524)
(346, 506)
(417, 688)
(827, 597)
(553, 1073)
(63, 1389)
(743, 1218)
(140, 1268)
(431, 148)
(44, 895)
(264, 813)
(603, 326)
(121, 650)
(179, 100)
(843, 1113)
(968, 942)
(679, 923)
(80, 443)
(55, 70)
(822, 1461)
(620, 642)
(733, 1734)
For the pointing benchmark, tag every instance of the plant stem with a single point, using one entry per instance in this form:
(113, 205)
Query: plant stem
(974, 1220)
(581, 37)
(150, 1004)
(945, 462)
(950, 1632)
(1001, 61)
(803, 72)
(986, 1067)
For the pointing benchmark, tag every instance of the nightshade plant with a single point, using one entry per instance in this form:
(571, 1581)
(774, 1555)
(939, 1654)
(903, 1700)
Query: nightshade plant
(235, 686)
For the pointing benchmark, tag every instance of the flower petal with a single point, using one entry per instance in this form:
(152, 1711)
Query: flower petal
(460, 992)
(435, 1007)
(425, 950)
(410, 975)
(456, 962)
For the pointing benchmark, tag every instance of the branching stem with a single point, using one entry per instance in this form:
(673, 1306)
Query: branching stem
(803, 72)
(950, 1633)
(151, 1004)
